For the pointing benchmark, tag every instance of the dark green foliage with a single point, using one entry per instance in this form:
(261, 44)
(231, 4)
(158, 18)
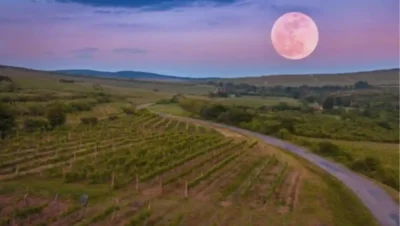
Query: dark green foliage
(5, 78)
(79, 106)
(7, 120)
(361, 85)
(35, 124)
(66, 81)
(129, 110)
(113, 117)
(36, 110)
(56, 114)
(234, 116)
(89, 120)
(328, 103)
(213, 111)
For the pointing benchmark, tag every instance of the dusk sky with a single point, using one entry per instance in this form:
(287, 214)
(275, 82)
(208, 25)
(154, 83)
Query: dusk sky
(227, 38)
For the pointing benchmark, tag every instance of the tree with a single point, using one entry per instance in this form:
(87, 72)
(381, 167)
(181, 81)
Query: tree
(56, 115)
(361, 85)
(328, 103)
(7, 120)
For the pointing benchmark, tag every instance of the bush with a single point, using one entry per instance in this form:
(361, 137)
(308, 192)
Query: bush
(284, 134)
(79, 106)
(33, 124)
(36, 110)
(128, 110)
(113, 117)
(89, 120)
(7, 120)
(56, 114)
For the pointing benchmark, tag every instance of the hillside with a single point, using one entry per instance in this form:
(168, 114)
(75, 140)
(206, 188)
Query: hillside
(138, 75)
(379, 77)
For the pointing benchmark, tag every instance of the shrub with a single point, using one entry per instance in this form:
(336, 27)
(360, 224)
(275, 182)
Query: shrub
(113, 117)
(80, 106)
(7, 120)
(33, 124)
(36, 110)
(89, 120)
(56, 114)
(284, 134)
(128, 110)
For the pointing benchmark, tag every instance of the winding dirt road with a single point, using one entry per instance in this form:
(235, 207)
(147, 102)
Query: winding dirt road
(381, 205)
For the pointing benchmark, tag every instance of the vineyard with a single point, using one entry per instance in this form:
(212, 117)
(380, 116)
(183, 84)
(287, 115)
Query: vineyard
(150, 170)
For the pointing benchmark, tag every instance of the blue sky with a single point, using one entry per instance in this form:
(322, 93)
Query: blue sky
(227, 38)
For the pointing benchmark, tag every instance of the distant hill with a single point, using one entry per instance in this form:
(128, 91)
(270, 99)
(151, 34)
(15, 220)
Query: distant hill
(378, 77)
(389, 77)
(138, 75)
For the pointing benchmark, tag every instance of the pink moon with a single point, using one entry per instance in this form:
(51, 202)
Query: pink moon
(294, 36)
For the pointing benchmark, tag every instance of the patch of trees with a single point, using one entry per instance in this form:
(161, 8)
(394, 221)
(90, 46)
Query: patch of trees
(312, 93)
(5, 78)
(89, 120)
(7, 120)
(35, 124)
(39, 98)
(269, 120)
(66, 81)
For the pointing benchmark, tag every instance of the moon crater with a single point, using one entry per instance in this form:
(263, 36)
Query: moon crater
(294, 36)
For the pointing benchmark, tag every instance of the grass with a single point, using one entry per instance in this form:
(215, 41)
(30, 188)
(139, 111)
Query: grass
(387, 153)
(329, 192)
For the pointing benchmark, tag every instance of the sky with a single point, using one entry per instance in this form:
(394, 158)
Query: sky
(194, 38)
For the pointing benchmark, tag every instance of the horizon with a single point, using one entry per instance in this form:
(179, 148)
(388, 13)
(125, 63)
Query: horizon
(213, 38)
(251, 76)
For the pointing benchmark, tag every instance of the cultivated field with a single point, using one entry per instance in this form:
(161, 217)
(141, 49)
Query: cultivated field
(149, 170)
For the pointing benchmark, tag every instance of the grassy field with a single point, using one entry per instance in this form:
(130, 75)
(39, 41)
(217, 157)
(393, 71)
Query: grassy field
(194, 175)
(387, 153)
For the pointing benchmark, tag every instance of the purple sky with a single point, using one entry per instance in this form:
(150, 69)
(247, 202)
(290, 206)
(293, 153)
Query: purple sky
(226, 38)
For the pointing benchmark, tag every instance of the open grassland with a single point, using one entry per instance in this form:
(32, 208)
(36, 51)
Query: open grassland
(144, 169)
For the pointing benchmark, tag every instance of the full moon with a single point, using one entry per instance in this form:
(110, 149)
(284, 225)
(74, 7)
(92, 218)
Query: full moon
(294, 36)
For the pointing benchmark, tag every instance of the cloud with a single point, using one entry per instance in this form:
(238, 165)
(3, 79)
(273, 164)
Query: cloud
(148, 4)
(85, 53)
(129, 51)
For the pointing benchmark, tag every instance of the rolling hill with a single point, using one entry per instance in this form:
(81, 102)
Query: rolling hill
(378, 77)
(138, 75)
(389, 77)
